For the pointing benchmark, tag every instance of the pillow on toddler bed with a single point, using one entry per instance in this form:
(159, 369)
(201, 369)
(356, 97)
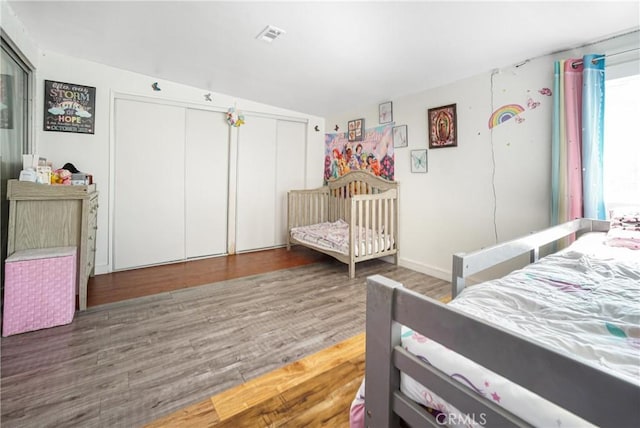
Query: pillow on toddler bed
(624, 231)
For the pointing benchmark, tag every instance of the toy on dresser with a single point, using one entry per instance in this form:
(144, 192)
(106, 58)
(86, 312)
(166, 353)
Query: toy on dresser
(61, 176)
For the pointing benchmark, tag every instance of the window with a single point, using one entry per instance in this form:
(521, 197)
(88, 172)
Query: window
(15, 87)
(622, 142)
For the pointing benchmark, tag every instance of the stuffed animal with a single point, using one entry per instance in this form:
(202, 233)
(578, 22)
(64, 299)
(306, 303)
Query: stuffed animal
(61, 176)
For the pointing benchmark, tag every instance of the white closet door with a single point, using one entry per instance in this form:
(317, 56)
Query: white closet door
(206, 183)
(290, 170)
(256, 184)
(149, 184)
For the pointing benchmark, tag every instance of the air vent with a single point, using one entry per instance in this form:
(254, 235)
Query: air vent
(270, 33)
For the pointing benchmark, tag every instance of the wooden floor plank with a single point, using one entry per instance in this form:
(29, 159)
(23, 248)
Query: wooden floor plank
(325, 399)
(199, 415)
(322, 398)
(330, 411)
(252, 393)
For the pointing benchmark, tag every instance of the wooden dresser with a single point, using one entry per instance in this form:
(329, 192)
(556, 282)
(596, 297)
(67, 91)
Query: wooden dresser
(43, 216)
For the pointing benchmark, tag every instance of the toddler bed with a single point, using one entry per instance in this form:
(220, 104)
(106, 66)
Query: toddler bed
(556, 343)
(353, 218)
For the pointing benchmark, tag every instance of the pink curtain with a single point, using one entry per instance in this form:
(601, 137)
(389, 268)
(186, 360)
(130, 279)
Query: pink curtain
(577, 139)
(573, 115)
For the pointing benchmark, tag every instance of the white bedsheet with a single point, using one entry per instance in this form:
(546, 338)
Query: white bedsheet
(334, 236)
(582, 301)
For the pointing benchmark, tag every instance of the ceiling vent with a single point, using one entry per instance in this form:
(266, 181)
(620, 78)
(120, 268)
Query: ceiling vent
(270, 33)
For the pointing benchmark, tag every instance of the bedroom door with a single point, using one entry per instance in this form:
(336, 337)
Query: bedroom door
(290, 170)
(271, 161)
(256, 184)
(206, 183)
(149, 184)
(170, 183)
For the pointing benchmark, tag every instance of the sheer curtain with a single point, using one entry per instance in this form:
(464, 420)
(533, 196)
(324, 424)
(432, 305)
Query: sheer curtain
(577, 143)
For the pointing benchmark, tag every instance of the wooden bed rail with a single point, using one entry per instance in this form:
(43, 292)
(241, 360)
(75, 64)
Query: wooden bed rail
(578, 387)
(307, 207)
(355, 183)
(374, 224)
(467, 264)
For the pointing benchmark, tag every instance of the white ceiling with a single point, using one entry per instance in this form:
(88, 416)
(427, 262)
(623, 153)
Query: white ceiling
(335, 56)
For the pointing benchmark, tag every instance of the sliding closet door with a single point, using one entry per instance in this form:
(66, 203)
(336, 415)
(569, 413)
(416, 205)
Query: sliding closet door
(149, 184)
(290, 170)
(206, 183)
(256, 184)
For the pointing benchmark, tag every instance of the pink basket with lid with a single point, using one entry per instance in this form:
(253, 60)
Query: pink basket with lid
(39, 289)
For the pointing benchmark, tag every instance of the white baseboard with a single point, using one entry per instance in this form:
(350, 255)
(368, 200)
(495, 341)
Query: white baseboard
(445, 275)
(102, 269)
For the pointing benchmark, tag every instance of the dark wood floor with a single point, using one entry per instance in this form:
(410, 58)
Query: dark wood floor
(118, 286)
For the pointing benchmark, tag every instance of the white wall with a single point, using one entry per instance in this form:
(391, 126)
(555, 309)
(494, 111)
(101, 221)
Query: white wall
(91, 153)
(492, 187)
(18, 33)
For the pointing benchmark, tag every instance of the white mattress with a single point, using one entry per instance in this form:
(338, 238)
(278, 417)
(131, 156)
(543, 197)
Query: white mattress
(334, 236)
(582, 301)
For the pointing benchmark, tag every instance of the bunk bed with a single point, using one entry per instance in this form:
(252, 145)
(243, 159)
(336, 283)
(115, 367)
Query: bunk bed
(353, 218)
(556, 343)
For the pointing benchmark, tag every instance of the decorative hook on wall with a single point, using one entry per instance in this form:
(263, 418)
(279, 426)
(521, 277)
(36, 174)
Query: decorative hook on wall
(316, 128)
(207, 97)
(155, 86)
(336, 128)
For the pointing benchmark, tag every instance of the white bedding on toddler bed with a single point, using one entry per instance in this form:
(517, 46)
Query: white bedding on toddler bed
(581, 301)
(334, 236)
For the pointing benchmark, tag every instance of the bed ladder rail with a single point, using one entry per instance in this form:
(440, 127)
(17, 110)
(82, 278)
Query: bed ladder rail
(537, 368)
(467, 264)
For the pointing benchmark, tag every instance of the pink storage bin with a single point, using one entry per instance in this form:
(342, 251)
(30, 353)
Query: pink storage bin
(39, 289)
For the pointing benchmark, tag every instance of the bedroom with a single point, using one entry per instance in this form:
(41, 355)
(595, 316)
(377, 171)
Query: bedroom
(460, 176)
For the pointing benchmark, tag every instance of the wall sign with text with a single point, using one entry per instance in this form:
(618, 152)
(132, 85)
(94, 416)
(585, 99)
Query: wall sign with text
(69, 107)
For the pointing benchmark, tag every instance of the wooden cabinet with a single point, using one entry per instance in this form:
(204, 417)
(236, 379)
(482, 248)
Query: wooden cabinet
(43, 216)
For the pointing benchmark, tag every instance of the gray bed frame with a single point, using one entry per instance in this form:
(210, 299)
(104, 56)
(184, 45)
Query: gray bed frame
(580, 388)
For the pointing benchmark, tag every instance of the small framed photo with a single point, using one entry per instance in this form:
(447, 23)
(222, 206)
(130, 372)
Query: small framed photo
(400, 136)
(355, 129)
(443, 130)
(419, 160)
(385, 112)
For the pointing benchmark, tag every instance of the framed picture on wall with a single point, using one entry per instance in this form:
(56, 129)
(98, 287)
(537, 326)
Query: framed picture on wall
(385, 112)
(419, 160)
(400, 136)
(355, 129)
(69, 107)
(442, 129)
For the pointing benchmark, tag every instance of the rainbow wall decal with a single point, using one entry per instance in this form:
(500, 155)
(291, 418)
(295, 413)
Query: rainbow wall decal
(504, 113)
